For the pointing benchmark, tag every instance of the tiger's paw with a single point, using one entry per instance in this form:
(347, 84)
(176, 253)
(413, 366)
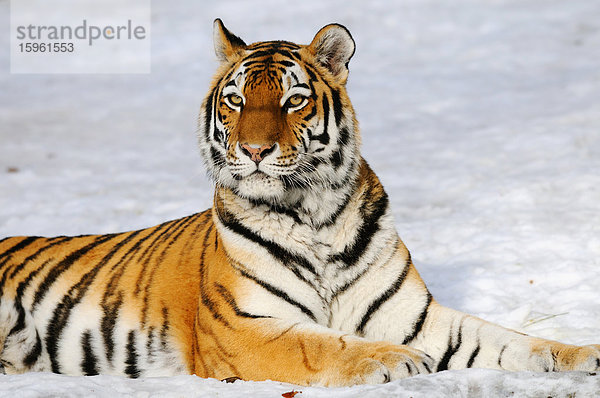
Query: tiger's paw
(586, 358)
(383, 362)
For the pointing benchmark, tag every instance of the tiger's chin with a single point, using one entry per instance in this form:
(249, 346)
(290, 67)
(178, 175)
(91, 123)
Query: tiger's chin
(259, 185)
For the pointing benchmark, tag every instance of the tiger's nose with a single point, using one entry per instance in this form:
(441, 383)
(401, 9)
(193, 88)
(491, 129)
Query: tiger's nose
(257, 152)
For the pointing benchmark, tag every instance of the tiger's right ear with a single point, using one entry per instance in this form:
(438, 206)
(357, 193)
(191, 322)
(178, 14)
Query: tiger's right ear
(333, 46)
(227, 45)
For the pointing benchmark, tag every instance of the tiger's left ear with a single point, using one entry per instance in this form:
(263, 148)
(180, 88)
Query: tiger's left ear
(227, 45)
(333, 47)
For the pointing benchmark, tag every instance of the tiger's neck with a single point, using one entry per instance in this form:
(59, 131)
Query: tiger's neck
(327, 227)
(317, 207)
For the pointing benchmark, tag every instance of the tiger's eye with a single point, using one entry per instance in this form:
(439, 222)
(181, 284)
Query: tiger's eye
(235, 99)
(295, 100)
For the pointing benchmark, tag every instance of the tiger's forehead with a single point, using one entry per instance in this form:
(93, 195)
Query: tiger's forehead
(273, 65)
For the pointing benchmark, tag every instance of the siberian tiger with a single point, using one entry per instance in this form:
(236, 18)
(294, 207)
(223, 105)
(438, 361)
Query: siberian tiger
(296, 273)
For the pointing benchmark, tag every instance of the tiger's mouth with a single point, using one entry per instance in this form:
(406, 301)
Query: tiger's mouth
(259, 175)
(256, 175)
(260, 185)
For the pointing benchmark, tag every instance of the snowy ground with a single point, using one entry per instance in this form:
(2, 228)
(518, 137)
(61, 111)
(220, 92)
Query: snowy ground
(482, 118)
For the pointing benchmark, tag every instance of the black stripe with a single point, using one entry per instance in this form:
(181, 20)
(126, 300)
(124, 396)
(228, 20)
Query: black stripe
(473, 355)
(204, 297)
(208, 114)
(33, 355)
(108, 322)
(150, 344)
(303, 140)
(350, 176)
(164, 329)
(276, 208)
(451, 350)
(420, 321)
(271, 63)
(312, 74)
(295, 77)
(296, 56)
(51, 243)
(279, 293)
(26, 241)
(233, 304)
(268, 52)
(274, 44)
(336, 159)
(23, 285)
(555, 361)
(19, 246)
(500, 355)
(312, 113)
(211, 307)
(63, 265)
(348, 284)
(277, 251)
(377, 303)
(364, 235)
(344, 136)
(323, 138)
(226, 77)
(335, 95)
(427, 366)
(88, 364)
(216, 157)
(132, 358)
(3, 279)
(334, 216)
(249, 64)
(62, 312)
(337, 106)
(20, 324)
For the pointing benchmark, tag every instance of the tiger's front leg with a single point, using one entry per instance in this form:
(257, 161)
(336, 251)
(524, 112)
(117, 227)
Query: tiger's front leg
(394, 305)
(302, 353)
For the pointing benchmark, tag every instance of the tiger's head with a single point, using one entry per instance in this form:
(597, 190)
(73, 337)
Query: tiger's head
(277, 120)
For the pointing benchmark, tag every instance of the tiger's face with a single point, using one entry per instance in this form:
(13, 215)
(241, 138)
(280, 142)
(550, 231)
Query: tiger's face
(277, 119)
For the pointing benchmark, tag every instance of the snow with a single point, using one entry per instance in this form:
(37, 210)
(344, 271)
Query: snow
(481, 118)
(460, 383)
(474, 382)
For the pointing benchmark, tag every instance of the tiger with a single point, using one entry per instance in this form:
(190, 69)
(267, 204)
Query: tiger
(296, 274)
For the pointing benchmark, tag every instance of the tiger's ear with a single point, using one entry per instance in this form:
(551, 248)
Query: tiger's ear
(227, 45)
(333, 47)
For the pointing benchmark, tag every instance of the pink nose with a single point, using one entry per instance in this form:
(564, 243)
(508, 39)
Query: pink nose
(257, 154)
